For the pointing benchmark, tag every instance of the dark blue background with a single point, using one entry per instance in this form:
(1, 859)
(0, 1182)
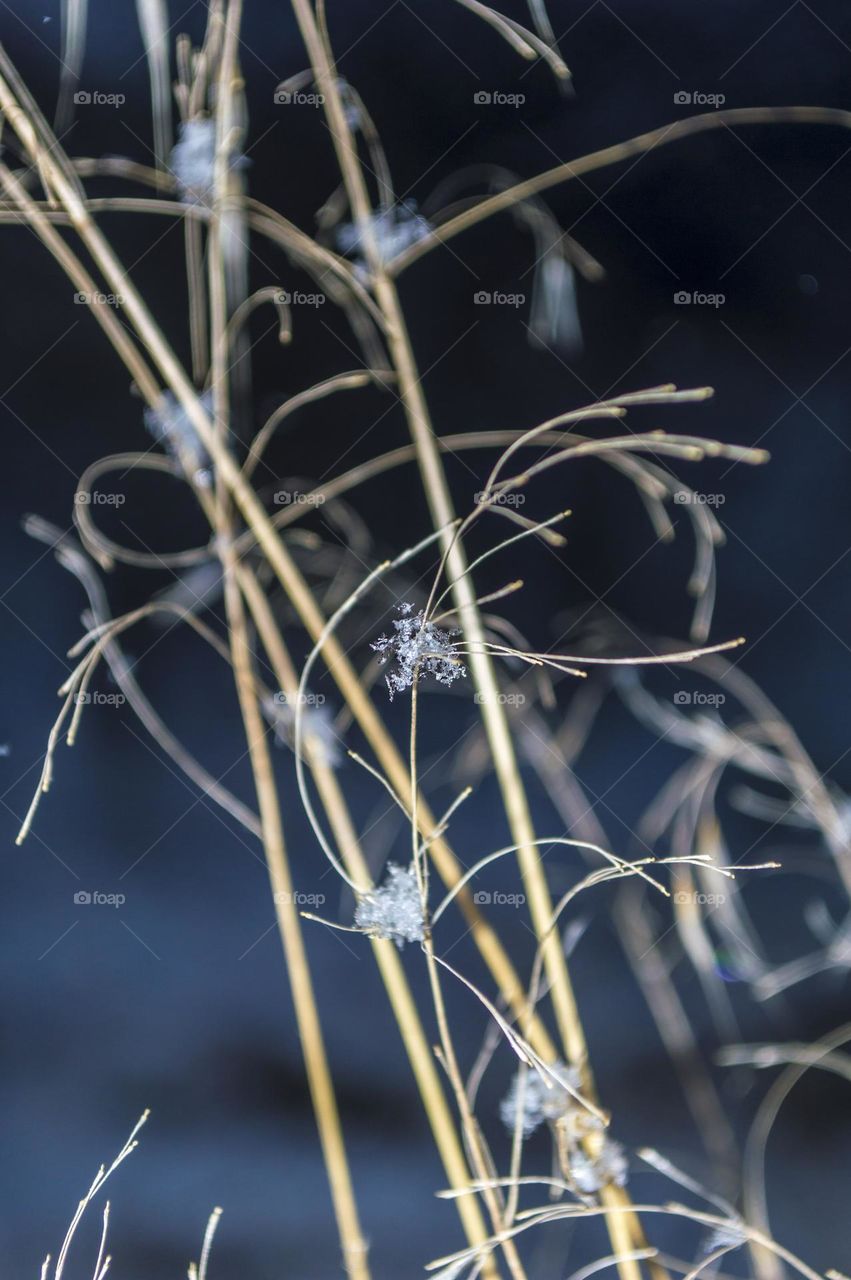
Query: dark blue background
(178, 1000)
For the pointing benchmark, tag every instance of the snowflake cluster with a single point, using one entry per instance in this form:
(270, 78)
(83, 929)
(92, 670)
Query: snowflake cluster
(171, 427)
(394, 230)
(394, 910)
(193, 157)
(545, 1101)
(608, 1167)
(554, 320)
(418, 647)
(542, 1099)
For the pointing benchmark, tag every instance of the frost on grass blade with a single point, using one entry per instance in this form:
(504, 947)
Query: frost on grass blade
(542, 1100)
(351, 106)
(394, 910)
(730, 1236)
(418, 648)
(170, 426)
(395, 230)
(592, 1173)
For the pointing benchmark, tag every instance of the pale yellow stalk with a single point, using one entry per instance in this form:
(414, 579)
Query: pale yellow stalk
(624, 1232)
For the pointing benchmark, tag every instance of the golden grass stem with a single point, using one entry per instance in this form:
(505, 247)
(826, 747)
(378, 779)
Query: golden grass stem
(289, 925)
(321, 1086)
(624, 1232)
(386, 956)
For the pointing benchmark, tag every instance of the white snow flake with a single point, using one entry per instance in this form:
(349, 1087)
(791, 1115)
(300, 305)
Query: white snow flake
(418, 647)
(542, 1100)
(395, 230)
(608, 1166)
(171, 427)
(393, 910)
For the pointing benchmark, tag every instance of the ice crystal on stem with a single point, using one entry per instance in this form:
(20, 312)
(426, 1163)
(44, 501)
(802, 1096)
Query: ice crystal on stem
(394, 230)
(418, 648)
(607, 1167)
(170, 426)
(394, 910)
(542, 1100)
(554, 1101)
(192, 159)
(730, 1236)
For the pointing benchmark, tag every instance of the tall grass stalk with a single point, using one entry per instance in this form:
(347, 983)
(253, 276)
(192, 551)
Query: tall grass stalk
(625, 1234)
